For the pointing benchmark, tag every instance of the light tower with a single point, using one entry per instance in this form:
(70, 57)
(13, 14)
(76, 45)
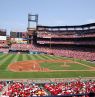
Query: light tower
(32, 26)
(32, 19)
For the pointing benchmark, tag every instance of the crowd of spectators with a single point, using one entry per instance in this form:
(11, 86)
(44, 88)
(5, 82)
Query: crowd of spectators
(71, 87)
(60, 35)
(75, 53)
(81, 53)
(20, 46)
(4, 50)
(71, 51)
(3, 46)
(23, 89)
(52, 88)
(68, 42)
(67, 52)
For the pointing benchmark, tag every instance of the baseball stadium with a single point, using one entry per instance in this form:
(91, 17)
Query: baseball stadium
(48, 61)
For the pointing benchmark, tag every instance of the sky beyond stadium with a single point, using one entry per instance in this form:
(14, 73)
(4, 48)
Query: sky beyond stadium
(14, 13)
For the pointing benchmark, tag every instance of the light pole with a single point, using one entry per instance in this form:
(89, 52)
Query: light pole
(50, 43)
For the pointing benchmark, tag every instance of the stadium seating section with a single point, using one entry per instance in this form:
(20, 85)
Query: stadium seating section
(52, 87)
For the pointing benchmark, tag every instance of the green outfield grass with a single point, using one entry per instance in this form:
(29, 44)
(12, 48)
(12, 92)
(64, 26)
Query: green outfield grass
(6, 59)
(60, 66)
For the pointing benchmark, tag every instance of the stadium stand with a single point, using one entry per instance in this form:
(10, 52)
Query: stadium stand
(69, 41)
(52, 88)
(4, 48)
(20, 47)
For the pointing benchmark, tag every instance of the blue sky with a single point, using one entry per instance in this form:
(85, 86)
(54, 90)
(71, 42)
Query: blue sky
(14, 13)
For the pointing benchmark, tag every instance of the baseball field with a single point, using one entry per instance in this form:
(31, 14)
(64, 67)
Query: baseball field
(15, 66)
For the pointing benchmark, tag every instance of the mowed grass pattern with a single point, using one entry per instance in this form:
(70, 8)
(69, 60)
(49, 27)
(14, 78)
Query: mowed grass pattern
(63, 66)
(6, 59)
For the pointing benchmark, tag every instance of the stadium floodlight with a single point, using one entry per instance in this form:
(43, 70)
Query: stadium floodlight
(32, 18)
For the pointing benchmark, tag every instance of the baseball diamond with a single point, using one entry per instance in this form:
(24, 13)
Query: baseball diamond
(18, 65)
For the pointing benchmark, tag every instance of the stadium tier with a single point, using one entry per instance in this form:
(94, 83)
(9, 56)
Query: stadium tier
(76, 34)
(70, 41)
